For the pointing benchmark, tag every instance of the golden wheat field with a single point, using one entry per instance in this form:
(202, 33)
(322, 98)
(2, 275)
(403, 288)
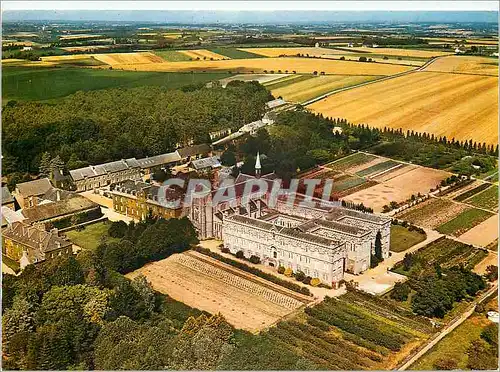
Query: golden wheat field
(79, 36)
(278, 65)
(403, 52)
(465, 65)
(302, 91)
(451, 105)
(69, 57)
(390, 60)
(202, 54)
(115, 59)
(276, 52)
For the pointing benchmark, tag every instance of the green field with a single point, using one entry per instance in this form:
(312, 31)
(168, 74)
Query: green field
(350, 161)
(487, 199)
(346, 183)
(464, 221)
(234, 53)
(91, 236)
(33, 84)
(172, 55)
(377, 168)
(402, 238)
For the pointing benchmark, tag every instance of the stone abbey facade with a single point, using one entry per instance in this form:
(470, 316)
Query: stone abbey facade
(323, 241)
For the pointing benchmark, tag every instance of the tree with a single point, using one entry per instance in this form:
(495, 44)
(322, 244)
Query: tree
(362, 59)
(490, 334)
(400, 291)
(45, 166)
(445, 364)
(202, 343)
(378, 247)
(117, 229)
(481, 356)
(228, 158)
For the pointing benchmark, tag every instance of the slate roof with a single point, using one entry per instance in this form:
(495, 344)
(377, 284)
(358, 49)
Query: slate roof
(202, 149)
(163, 159)
(291, 232)
(102, 169)
(211, 162)
(333, 225)
(339, 213)
(54, 193)
(151, 192)
(275, 103)
(6, 196)
(74, 204)
(34, 238)
(34, 188)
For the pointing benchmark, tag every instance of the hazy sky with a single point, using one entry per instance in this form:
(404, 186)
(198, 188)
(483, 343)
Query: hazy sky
(254, 5)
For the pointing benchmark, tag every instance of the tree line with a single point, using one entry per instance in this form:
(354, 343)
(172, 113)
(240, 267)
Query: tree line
(111, 124)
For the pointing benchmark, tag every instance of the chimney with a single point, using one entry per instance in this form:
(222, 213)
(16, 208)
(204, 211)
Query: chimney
(58, 244)
(58, 195)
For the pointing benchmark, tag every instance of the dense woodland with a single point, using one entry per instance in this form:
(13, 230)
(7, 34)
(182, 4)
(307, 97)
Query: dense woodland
(99, 126)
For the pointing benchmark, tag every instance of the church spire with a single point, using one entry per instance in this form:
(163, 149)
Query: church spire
(257, 165)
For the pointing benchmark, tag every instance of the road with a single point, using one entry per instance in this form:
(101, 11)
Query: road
(445, 331)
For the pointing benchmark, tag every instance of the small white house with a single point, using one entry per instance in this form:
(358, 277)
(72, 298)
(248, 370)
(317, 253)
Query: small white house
(27, 48)
(316, 45)
(459, 51)
(493, 316)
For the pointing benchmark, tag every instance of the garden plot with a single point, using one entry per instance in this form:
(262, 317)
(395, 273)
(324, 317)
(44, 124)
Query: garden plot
(432, 213)
(483, 234)
(353, 160)
(378, 168)
(393, 173)
(246, 301)
(487, 199)
(464, 222)
(399, 189)
(471, 192)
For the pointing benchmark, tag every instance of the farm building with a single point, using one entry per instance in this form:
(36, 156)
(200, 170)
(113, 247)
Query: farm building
(206, 164)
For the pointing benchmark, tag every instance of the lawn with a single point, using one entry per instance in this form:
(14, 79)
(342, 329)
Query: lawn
(487, 199)
(402, 238)
(91, 236)
(346, 183)
(454, 346)
(32, 83)
(464, 221)
(234, 53)
(172, 55)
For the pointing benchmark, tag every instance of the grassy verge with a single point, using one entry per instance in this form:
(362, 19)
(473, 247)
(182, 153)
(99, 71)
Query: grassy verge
(402, 238)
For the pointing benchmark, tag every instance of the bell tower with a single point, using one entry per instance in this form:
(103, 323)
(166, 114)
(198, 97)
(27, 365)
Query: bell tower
(257, 166)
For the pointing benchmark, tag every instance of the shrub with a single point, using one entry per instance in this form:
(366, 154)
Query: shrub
(281, 269)
(289, 272)
(400, 292)
(225, 250)
(307, 280)
(315, 282)
(445, 364)
(305, 291)
(300, 276)
(240, 254)
(117, 229)
(255, 259)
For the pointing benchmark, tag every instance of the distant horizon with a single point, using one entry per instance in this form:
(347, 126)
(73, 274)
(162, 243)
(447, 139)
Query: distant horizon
(250, 17)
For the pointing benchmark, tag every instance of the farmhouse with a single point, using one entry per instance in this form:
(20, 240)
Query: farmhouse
(27, 245)
(153, 163)
(139, 199)
(206, 164)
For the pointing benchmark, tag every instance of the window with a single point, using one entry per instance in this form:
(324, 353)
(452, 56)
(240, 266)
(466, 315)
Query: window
(275, 254)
